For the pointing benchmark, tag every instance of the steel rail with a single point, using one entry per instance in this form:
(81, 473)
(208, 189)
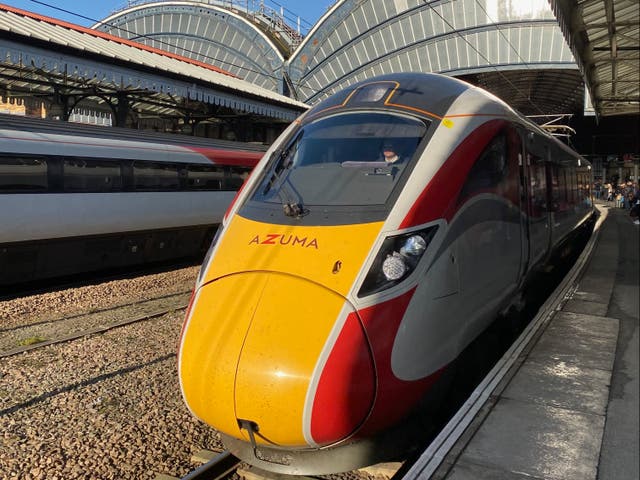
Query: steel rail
(215, 469)
(92, 331)
(93, 312)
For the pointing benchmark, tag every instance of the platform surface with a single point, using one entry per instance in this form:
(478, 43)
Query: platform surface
(570, 412)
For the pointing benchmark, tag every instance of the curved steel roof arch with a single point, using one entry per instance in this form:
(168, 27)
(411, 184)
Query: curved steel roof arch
(205, 33)
(356, 39)
(437, 55)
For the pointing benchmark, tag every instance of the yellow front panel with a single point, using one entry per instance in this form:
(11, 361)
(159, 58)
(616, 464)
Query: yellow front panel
(290, 327)
(211, 346)
(329, 255)
(269, 300)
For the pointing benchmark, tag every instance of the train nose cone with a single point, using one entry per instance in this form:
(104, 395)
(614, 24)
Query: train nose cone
(257, 347)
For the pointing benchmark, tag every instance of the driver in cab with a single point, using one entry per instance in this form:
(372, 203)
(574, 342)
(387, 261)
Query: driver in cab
(389, 153)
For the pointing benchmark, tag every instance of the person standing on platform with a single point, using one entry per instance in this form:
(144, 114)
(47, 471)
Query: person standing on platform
(634, 201)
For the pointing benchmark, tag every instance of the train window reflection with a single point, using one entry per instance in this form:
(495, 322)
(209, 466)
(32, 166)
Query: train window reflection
(338, 160)
(23, 174)
(90, 175)
(205, 177)
(538, 186)
(155, 176)
(489, 171)
(238, 176)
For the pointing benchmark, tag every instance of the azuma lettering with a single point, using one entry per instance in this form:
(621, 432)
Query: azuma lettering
(284, 240)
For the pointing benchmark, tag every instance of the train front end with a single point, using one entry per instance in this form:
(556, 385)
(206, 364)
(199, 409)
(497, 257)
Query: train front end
(287, 347)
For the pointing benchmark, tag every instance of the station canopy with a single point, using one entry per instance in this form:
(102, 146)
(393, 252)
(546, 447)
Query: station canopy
(605, 38)
(567, 57)
(48, 58)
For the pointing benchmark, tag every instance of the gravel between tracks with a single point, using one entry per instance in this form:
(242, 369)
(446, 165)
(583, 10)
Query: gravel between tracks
(104, 406)
(56, 304)
(101, 407)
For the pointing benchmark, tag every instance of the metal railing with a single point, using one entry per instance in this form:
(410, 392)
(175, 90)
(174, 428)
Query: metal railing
(252, 8)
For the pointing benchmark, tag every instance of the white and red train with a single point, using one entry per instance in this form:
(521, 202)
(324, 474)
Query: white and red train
(340, 288)
(77, 198)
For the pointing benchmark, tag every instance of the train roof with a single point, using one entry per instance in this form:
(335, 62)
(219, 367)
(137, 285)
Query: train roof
(28, 136)
(56, 127)
(425, 94)
(429, 95)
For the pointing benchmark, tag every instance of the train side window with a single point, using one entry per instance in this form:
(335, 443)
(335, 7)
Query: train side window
(205, 177)
(23, 174)
(538, 184)
(553, 184)
(152, 176)
(490, 170)
(237, 178)
(91, 175)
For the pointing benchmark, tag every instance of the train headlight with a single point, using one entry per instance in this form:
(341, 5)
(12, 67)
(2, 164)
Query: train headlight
(394, 267)
(395, 261)
(415, 245)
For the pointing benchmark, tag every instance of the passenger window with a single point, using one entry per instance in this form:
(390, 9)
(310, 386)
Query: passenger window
(90, 175)
(238, 176)
(23, 174)
(538, 185)
(205, 177)
(152, 176)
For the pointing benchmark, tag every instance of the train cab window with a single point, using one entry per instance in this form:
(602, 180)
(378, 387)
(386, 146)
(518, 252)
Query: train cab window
(151, 176)
(23, 174)
(338, 161)
(91, 175)
(205, 177)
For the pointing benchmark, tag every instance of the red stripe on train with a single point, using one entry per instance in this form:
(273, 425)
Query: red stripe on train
(439, 198)
(395, 398)
(236, 158)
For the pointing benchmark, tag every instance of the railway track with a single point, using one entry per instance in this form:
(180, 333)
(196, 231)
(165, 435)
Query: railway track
(91, 278)
(22, 338)
(220, 467)
(104, 403)
(224, 466)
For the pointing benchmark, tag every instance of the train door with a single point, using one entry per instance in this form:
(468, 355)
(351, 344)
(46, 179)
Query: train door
(524, 194)
(491, 215)
(539, 219)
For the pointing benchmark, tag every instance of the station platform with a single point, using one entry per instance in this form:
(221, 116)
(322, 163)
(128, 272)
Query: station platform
(563, 402)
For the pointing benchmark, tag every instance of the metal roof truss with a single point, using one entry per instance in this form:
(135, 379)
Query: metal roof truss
(605, 38)
(36, 71)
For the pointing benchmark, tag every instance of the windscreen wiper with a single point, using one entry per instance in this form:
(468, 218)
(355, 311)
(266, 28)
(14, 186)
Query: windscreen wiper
(277, 171)
(284, 162)
(280, 178)
(290, 208)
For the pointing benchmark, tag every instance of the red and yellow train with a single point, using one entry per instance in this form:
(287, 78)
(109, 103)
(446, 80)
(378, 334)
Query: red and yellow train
(341, 287)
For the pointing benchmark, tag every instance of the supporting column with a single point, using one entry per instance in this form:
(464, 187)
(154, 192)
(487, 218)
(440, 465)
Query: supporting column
(59, 108)
(122, 110)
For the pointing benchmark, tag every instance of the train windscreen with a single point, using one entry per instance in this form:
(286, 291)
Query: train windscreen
(346, 160)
